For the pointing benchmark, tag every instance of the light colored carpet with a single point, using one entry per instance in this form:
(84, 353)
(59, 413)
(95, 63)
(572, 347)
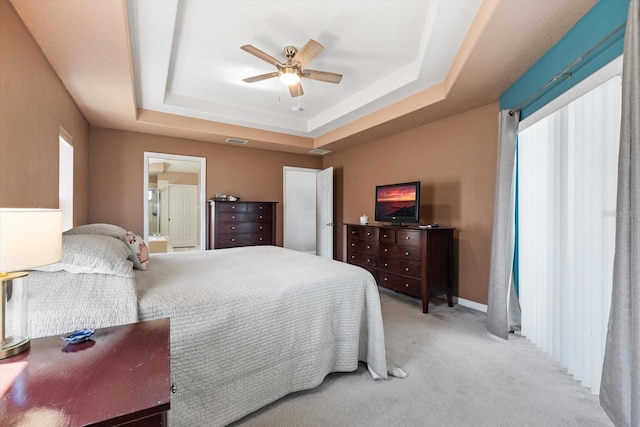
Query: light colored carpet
(459, 375)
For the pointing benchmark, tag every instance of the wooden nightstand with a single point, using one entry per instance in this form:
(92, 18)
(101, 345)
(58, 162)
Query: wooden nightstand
(121, 376)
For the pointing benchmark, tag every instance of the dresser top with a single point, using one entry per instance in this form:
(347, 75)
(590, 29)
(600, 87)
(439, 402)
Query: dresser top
(396, 227)
(238, 201)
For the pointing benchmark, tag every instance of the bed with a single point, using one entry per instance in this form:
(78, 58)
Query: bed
(248, 325)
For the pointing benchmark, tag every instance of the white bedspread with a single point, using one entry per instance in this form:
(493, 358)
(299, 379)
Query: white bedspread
(250, 325)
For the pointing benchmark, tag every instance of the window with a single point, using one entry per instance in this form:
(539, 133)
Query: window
(65, 179)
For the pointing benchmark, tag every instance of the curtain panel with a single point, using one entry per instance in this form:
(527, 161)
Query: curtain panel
(620, 392)
(502, 304)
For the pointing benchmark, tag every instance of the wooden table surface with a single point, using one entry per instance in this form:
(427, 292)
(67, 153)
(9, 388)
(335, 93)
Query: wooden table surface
(122, 373)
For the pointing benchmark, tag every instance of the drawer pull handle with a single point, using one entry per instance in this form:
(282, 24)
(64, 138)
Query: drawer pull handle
(386, 250)
(384, 235)
(368, 260)
(233, 217)
(406, 269)
(233, 207)
(260, 207)
(406, 253)
(406, 285)
(353, 257)
(386, 278)
(233, 228)
(261, 239)
(353, 244)
(368, 234)
(386, 265)
(407, 237)
(353, 232)
(260, 227)
(233, 240)
(368, 247)
(261, 217)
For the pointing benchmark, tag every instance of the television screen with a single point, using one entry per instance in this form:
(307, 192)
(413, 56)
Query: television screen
(398, 203)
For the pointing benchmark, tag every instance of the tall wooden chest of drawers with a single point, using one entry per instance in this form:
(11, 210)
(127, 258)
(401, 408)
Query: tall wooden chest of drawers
(233, 224)
(417, 262)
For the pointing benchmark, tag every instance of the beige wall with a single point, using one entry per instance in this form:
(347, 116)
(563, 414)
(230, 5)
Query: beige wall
(116, 161)
(455, 160)
(33, 106)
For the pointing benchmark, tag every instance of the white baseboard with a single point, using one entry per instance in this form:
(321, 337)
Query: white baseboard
(471, 304)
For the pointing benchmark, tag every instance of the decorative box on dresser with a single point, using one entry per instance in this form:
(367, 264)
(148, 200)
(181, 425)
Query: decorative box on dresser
(415, 261)
(233, 224)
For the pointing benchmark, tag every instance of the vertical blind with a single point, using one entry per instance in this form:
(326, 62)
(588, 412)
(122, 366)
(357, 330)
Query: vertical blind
(567, 176)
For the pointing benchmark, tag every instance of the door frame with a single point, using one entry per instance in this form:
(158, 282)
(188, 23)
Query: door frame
(202, 234)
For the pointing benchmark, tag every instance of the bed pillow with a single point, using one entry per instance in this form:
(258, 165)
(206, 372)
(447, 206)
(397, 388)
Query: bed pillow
(139, 249)
(100, 230)
(90, 253)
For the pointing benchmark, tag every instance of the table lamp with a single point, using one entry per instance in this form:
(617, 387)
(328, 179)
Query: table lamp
(28, 238)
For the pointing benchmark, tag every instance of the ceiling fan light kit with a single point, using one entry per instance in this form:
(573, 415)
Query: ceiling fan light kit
(289, 75)
(291, 72)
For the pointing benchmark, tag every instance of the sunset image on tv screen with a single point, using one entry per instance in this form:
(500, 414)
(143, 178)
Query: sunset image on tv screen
(396, 201)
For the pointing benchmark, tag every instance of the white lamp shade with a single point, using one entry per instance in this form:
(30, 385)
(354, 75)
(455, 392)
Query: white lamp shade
(29, 238)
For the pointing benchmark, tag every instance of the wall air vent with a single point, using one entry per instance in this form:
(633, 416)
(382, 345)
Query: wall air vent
(319, 151)
(237, 141)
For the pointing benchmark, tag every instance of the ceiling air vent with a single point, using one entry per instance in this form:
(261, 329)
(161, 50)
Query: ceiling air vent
(237, 141)
(319, 151)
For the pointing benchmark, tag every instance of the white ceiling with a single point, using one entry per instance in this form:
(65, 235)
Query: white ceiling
(187, 57)
(175, 67)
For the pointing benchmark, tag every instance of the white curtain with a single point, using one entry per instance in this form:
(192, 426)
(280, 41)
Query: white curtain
(503, 312)
(620, 396)
(567, 169)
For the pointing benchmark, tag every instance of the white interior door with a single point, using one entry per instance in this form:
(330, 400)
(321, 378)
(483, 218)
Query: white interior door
(308, 208)
(324, 209)
(183, 215)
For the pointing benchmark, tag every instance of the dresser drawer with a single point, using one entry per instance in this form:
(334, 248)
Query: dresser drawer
(259, 217)
(234, 240)
(401, 266)
(365, 233)
(259, 207)
(410, 253)
(232, 217)
(399, 283)
(364, 246)
(231, 207)
(408, 237)
(362, 259)
(243, 227)
(387, 236)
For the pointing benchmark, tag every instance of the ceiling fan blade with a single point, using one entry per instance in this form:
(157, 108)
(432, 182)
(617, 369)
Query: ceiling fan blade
(323, 76)
(296, 90)
(260, 77)
(308, 52)
(260, 54)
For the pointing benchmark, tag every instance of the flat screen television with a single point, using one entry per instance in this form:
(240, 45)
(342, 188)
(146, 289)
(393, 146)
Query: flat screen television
(398, 203)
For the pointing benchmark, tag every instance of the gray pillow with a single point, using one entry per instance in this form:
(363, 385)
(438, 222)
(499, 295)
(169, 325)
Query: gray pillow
(90, 253)
(100, 230)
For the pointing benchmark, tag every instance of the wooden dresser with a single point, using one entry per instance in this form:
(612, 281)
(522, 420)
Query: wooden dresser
(119, 377)
(417, 262)
(233, 224)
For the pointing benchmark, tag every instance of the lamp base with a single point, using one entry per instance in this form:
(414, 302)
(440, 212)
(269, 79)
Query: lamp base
(14, 345)
(13, 311)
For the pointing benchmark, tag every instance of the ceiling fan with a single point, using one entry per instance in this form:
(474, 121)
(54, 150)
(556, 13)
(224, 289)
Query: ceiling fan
(291, 71)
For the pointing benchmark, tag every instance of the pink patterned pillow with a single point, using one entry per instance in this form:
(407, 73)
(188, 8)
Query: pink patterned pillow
(139, 249)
